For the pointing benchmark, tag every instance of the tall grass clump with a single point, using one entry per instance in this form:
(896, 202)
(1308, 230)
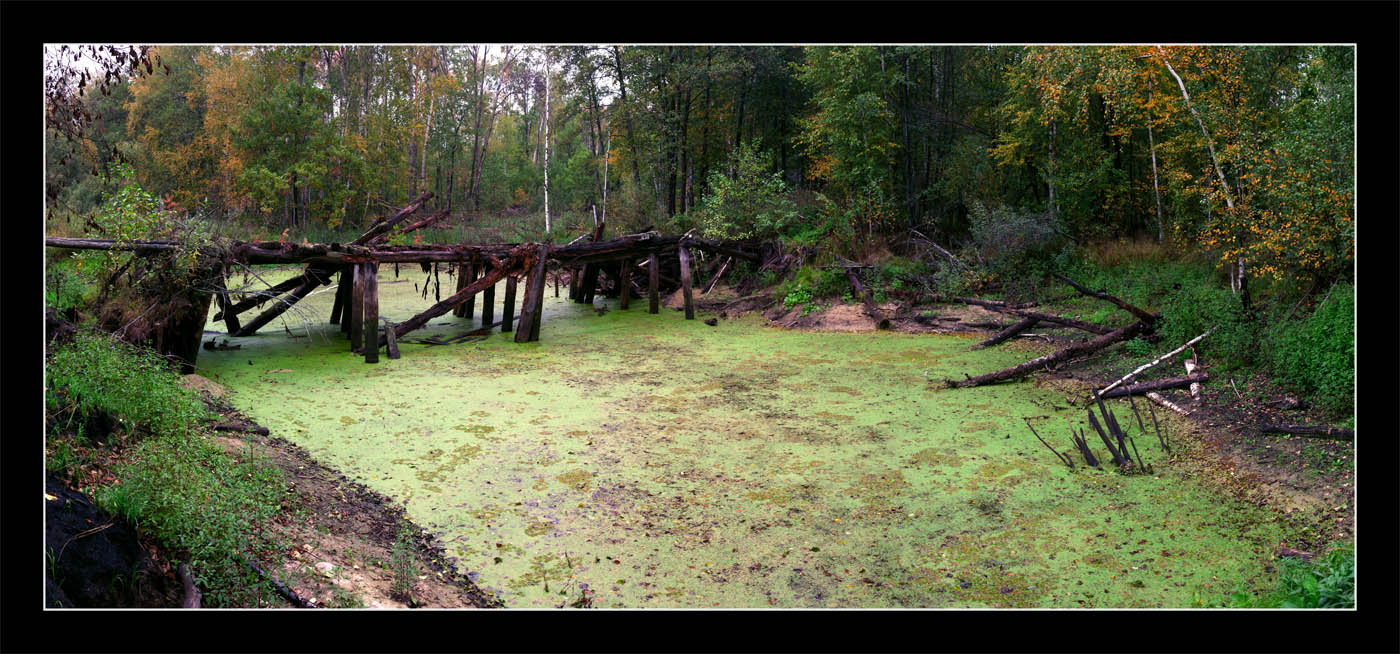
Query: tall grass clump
(1317, 355)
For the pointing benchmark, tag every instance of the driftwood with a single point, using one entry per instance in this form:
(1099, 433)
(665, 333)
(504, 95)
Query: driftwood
(1142, 388)
(1009, 332)
(1055, 357)
(1158, 360)
(1337, 433)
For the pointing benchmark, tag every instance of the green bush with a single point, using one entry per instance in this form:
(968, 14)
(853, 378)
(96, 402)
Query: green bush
(809, 284)
(751, 202)
(65, 287)
(1196, 308)
(1326, 583)
(1317, 355)
(189, 495)
(101, 375)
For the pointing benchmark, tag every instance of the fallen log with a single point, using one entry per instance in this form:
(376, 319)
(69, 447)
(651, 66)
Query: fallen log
(1337, 433)
(1093, 328)
(418, 225)
(1009, 332)
(281, 305)
(1034, 364)
(1156, 361)
(1142, 388)
(258, 298)
(871, 310)
(288, 593)
(252, 429)
(1144, 316)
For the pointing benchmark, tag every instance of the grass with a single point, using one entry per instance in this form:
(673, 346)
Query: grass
(174, 484)
(1327, 582)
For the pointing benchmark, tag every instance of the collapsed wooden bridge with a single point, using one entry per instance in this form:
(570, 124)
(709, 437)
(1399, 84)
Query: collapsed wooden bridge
(593, 265)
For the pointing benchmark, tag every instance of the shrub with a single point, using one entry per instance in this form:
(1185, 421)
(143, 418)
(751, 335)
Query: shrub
(1014, 244)
(1317, 355)
(1326, 583)
(189, 495)
(101, 375)
(1197, 307)
(810, 283)
(751, 202)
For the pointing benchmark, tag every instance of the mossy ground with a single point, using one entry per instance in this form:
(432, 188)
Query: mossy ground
(650, 461)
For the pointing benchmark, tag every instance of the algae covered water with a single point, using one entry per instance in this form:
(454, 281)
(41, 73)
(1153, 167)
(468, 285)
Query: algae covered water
(650, 461)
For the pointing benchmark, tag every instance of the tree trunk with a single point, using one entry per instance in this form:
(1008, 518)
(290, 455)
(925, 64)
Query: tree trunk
(1050, 359)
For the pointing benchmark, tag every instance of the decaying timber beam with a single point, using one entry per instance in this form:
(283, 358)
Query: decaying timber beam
(722, 248)
(371, 318)
(531, 305)
(1049, 359)
(508, 306)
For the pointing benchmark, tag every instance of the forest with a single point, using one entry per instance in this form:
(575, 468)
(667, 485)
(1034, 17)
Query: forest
(1214, 186)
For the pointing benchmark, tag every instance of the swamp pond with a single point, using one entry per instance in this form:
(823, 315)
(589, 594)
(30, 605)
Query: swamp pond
(651, 461)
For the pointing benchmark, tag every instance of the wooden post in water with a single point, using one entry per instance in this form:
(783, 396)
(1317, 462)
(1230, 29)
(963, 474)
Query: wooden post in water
(469, 307)
(488, 301)
(531, 305)
(357, 306)
(342, 293)
(371, 319)
(508, 307)
(685, 281)
(460, 310)
(225, 304)
(653, 283)
(573, 284)
(626, 282)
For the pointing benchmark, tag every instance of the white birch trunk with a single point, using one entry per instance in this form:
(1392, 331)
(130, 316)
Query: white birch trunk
(546, 143)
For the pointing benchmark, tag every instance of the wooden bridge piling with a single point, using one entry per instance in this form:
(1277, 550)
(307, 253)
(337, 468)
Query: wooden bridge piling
(508, 306)
(625, 271)
(653, 285)
(685, 281)
(371, 319)
(488, 302)
(357, 311)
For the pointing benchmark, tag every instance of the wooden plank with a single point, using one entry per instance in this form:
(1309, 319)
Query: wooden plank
(357, 308)
(685, 282)
(371, 320)
(654, 267)
(626, 270)
(508, 307)
(488, 301)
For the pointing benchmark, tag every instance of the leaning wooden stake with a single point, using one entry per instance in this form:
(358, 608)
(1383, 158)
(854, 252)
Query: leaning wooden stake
(653, 283)
(342, 295)
(371, 319)
(533, 303)
(685, 282)
(1049, 359)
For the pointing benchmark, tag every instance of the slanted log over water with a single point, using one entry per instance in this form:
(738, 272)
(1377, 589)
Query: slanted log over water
(257, 298)
(1053, 358)
(342, 294)
(382, 228)
(1090, 327)
(685, 282)
(371, 320)
(313, 279)
(498, 270)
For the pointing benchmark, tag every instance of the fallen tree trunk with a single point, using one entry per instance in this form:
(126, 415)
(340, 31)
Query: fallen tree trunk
(1144, 316)
(288, 593)
(1157, 397)
(261, 297)
(1093, 328)
(1337, 433)
(382, 228)
(881, 322)
(1143, 388)
(1055, 357)
(281, 305)
(1009, 332)
(1156, 361)
(255, 429)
